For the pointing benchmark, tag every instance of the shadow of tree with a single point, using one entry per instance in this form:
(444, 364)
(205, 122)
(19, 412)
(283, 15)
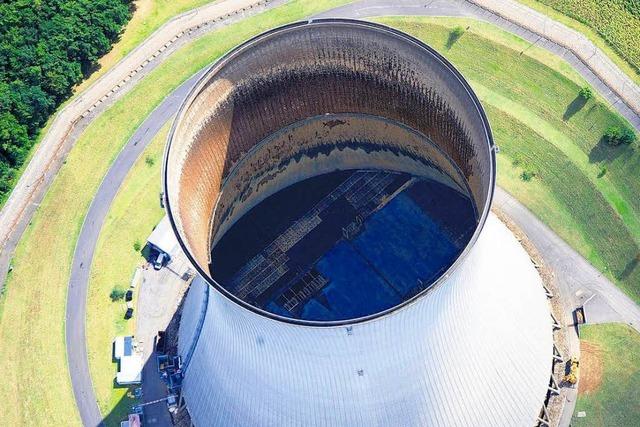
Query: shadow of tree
(630, 267)
(576, 105)
(603, 152)
(454, 36)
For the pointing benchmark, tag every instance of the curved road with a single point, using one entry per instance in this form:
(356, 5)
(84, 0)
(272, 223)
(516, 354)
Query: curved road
(574, 272)
(86, 244)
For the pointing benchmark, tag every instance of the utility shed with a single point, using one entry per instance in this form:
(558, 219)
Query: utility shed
(130, 361)
(162, 238)
(130, 370)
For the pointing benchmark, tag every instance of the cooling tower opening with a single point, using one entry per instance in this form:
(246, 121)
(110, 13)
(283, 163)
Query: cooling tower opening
(329, 171)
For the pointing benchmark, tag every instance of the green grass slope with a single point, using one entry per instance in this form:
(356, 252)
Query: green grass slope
(614, 401)
(552, 137)
(132, 216)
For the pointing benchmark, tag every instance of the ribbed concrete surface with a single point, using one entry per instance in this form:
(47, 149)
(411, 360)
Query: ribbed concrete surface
(189, 320)
(475, 350)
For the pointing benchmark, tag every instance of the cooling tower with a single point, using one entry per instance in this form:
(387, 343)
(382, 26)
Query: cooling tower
(331, 182)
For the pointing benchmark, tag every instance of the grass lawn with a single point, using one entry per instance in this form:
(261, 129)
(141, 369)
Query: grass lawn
(555, 9)
(132, 216)
(546, 133)
(609, 376)
(36, 388)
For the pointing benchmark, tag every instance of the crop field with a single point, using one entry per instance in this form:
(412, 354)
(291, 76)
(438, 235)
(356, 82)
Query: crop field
(609, 376)
(617, 21)
(550, 138)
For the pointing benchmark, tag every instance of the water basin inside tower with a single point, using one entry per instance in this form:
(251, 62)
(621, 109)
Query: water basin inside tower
(344, 244)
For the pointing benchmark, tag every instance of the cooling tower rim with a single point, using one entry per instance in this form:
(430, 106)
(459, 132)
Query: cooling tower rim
(222, 61)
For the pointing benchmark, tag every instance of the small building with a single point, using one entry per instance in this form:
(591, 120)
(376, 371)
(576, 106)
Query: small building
(162, 238)
(129, 360)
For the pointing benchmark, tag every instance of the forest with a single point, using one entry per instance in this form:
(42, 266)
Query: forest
(46, 48)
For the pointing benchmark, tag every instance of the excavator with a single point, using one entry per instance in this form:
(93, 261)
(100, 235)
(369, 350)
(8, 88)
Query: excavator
(572, 376)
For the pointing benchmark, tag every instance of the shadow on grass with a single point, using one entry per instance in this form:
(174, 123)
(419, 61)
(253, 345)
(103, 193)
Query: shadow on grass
(454, 36)
(576, 105)
(148, 253)
(120, 412)
(603, 152)
(630, 267)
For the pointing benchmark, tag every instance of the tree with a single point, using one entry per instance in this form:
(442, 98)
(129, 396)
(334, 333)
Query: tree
(585, 93)
(117, 293)
(454, 35)
(46, 48)
(457, 32)
(527, 175)
(628, 136)
(615, 135)
(612, 135)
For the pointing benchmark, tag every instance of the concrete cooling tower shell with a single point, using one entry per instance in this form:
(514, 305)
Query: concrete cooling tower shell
(476, 351)
(474, 348)
(312, 97)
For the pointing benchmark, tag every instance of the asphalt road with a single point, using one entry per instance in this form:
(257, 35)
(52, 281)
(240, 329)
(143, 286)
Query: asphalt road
(578, 281)
(575, 272)
(85, 247)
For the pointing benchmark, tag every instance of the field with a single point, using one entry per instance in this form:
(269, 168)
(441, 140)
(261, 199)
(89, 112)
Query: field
(609, 376)
(617, 22)
(550, 138)
(132, 216)
(36, 388)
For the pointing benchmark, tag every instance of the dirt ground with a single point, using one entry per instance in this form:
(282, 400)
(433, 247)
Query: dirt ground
(591, 367)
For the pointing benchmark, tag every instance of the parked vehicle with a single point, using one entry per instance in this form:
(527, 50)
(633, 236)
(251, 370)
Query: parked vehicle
(160, 261)
(129, 313)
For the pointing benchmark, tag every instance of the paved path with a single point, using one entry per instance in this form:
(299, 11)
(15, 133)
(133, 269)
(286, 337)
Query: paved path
(594, 66)
(578, 280)
(85, 247)
(158, 297)
(75, 326)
